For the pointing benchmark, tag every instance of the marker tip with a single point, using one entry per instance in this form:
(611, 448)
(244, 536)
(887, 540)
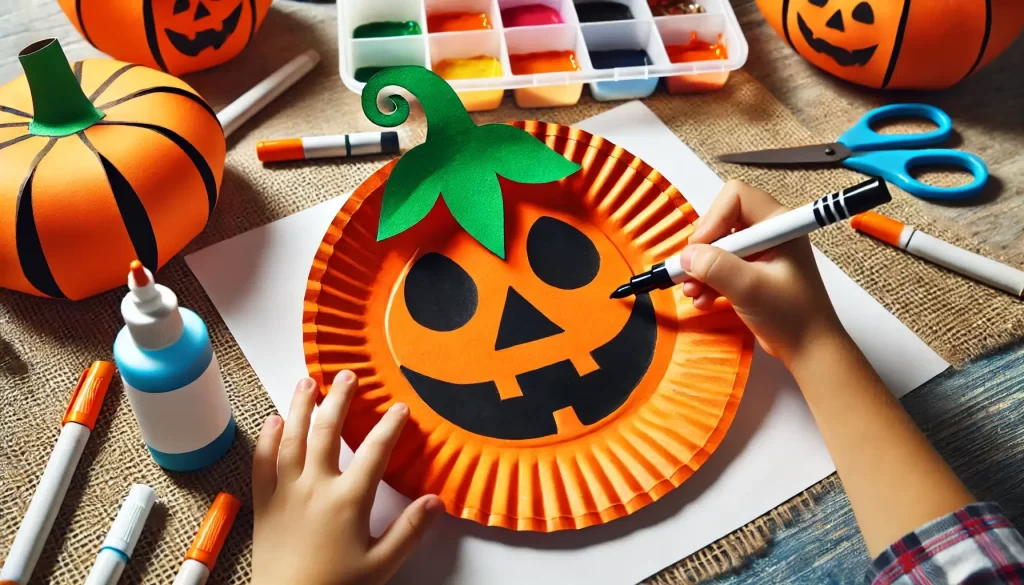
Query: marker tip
(622, 292)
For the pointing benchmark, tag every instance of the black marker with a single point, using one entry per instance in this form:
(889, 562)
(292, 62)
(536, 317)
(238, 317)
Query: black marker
(770, 233)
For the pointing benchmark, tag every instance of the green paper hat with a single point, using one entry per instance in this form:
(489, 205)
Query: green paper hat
(459, 162)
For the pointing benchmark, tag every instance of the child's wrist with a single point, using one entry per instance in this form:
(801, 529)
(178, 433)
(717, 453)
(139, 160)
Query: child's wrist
(823, 341)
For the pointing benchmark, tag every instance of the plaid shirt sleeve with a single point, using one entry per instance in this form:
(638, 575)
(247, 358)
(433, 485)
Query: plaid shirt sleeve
(975, 545)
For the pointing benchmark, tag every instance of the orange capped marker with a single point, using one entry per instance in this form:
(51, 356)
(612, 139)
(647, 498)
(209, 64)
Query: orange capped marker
(76, 426)
(341, 145)
(955, 258)
(209, 540)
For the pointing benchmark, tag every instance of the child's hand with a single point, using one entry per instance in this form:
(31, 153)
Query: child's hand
(313, 521)
(778, 293)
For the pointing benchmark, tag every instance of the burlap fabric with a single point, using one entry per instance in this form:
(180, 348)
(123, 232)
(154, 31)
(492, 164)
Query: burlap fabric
(44, 345)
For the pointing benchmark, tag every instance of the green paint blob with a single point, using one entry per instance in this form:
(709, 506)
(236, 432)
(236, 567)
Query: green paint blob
(59, 106)
(363, 74)
(459, 161)
(371, 30)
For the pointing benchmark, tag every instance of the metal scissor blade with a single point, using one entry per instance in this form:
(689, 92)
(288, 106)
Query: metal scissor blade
(799, 155)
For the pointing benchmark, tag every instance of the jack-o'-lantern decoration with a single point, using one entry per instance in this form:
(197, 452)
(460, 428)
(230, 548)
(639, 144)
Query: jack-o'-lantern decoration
(99, 165)
(536, 402)
(176, 36)
(897, 44)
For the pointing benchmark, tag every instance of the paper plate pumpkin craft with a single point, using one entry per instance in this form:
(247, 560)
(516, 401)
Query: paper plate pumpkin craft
(99, 165)
(176, 36)
(469, 279)
(897, 44)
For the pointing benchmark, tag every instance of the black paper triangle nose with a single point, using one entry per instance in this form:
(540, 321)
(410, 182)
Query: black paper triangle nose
(521, 322)
(201, 12)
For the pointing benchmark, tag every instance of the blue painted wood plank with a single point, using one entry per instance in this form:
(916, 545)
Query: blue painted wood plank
(975, 418)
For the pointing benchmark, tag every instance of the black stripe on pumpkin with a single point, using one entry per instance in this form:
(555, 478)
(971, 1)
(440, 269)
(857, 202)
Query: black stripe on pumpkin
(133, 212)
(191, 151)
(14, 125)
(984, 39)
(252, 27)
(26, 236)
(109, 80)
(81, 21)
(162, 89)
(78, 72)
(897, 44)
(785, 22)
(14, 141)
(151, 39)
(10, 110)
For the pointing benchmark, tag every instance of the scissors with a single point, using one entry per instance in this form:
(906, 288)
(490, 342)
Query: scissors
(885, 155)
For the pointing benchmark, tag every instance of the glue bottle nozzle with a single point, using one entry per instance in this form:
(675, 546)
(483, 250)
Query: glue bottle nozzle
(139, 273)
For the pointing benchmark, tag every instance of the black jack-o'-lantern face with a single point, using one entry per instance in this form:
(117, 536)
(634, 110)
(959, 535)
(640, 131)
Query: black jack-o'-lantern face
(526, 348)
(849, 24)
(203, 24)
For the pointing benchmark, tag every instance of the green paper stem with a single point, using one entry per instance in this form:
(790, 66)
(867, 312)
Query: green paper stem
(59, 106)
(443, 108)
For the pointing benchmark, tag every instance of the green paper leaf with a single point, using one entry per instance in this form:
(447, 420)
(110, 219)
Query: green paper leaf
(459, 160)
(410, 193)
(520, 157)
(475, 202)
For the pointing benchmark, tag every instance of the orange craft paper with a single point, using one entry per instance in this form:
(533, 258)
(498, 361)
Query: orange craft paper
(355, 317)
(81, 229)
(156, 34)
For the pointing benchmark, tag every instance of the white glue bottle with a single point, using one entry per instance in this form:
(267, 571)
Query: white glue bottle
(171, 377)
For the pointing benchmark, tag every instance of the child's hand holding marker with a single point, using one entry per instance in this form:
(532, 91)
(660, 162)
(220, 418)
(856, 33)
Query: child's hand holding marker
(312, 521)
(780, 296)
(895, 480)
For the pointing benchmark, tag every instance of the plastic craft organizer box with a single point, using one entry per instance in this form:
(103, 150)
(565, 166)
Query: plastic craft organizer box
(644, 31)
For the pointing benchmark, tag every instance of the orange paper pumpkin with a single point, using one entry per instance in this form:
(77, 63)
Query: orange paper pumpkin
(177, 36)
(536, 402)
(897, 44)
(99, 165)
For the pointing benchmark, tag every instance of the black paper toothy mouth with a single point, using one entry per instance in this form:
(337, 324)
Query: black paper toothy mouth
(844, 57)
(479, 409)
(207, 38)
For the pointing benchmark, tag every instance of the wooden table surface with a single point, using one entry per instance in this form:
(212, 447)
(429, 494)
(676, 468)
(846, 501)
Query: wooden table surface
(975, 416)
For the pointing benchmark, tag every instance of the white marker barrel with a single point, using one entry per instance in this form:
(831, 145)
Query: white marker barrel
(192, 572)
(801, 221)
(42, 510)
(955, 258)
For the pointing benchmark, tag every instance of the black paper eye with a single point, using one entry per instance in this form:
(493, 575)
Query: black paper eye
(818, 3)
(561, 255)
(440, 295)
(180, 6)
(863, 13)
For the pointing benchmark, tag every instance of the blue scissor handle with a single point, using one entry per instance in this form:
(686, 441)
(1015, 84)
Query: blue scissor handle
(894, 166)
(860, 136)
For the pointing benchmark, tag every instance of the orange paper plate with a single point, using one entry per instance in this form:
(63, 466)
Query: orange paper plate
(536, 402)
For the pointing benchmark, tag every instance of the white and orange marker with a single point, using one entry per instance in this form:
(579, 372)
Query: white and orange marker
(922, 245)
(209, 540)
(75, 429)
(79, 420)
(340, 145)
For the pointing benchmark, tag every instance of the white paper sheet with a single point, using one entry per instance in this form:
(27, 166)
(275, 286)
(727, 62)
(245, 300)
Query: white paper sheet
(772, 452)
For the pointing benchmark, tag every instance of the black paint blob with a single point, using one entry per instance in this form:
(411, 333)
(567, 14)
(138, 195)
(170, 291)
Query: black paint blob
(521, 322)
(561, 255)
(440, 295)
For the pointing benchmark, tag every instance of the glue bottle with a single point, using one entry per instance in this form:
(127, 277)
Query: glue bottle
(171, 377)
